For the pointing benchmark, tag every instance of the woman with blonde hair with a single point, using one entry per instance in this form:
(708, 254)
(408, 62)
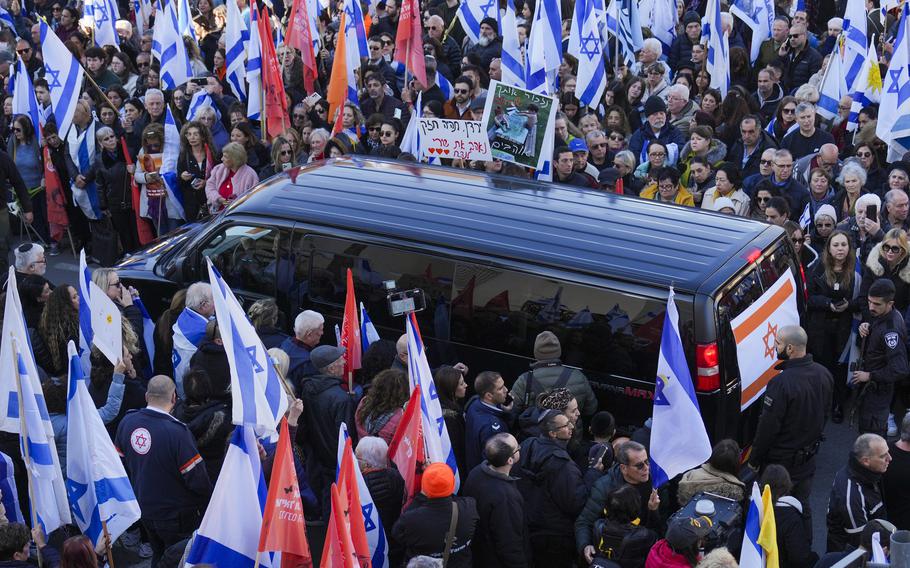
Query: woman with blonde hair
(889, 259)
(230, 179)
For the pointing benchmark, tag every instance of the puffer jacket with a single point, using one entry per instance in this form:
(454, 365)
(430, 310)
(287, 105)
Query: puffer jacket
(717, 151)
(422, 527)
(387, 490)
(552, 485)
(875, 267)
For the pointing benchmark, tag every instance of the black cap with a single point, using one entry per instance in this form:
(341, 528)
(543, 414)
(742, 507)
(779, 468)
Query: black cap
(609, 176)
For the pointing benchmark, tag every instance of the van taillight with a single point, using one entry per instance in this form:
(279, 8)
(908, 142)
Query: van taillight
(802, 272)
(707, 365)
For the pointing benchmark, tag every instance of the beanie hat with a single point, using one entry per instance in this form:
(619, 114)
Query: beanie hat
(826, 210)
(723, 202)
(546, 346)
(438, 481)
(691, 17)
(490, 22)
(555, 399)
(654, 104)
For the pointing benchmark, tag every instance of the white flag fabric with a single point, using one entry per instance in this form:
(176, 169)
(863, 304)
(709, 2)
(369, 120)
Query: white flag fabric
(23, 411)
(168, 48)
(368, 333)
(662, 22)
(168, 171)
(856, 40)
(437, 445)
(893, 126)
(759, 16)
(355, 45)
(472, 12)
(98, 486)
(584, 42)
(259, 399)
(236, 38)
(833, 86)
(755, 330)
(254, 67)
(544, 52)
(752, 555)
(679, 441)
(107, 335)
(85, 315)
(867, 88)
(240, 495)
(102, 16)
(513, 65)
(64, 77)
(24, 99)
(376, 537)
(185, 20)
(718, 49)
(189, 331)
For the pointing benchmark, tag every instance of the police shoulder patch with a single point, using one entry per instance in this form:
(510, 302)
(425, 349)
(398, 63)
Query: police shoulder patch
(891, 339)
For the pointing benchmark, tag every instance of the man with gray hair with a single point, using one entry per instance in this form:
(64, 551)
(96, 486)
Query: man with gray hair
(308, 328)
(897, 207)
(596, 141)
(164, 467)
(680, 108)
(327, 404)
(30, 260)
(826, 158)
(807, 139)
(795, 408)
(189, 329)
(895, 484)
(856, 495)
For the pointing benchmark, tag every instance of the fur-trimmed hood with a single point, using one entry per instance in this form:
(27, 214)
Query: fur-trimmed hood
(875, 262)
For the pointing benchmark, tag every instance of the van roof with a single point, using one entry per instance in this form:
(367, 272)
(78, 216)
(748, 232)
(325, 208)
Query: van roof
(526, 221)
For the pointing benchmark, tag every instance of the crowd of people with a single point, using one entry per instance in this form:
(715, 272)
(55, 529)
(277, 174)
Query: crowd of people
(545, 478)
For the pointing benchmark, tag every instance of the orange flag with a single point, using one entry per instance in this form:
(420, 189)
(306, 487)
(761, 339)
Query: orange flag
(347, 486)
(350, 333)
(406, 449)
(276, 102)
(409, 41)
(338, 551)
(338, 82)
(298, 36)
(283, 524)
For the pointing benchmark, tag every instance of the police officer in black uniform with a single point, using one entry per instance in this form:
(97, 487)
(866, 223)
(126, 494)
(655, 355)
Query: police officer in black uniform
(884, 359)
(794, 412)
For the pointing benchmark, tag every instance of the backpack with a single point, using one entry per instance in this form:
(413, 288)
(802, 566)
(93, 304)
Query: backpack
(530, 421)
(727, 519)
(626, 544)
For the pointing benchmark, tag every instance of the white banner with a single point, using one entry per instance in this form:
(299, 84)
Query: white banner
(458, 139)
(755, 330)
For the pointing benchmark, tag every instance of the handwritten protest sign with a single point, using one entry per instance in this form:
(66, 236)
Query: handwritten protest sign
(458, 139)
(516, 122)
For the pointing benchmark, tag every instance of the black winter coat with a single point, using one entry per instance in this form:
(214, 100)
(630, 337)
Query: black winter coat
(453, 415)
(211, 426)
(799, 68)
(326, 405)
(794, 534)
(212, 357)
(822, 322)
(874, 268)
(502, 536)
(113, 181)
(271, 337)
(553, 488)
(422, 529)
(387, 490)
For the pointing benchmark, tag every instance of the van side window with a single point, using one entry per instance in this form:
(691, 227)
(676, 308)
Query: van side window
(247, 258)
(600, 330)
(371, 265)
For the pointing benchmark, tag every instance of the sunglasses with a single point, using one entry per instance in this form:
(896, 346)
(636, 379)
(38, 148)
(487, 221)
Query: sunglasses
(788, 111)
(17, 130)
(766, 162)
(387, 133)
(601, 145)
(285, 153)
(299, 116)
(824, 225)
(387, 42)
(892, 248)
(864, 154)
(23, 51)
(640, 466)
(798, 241)
(462, 91)
(763, 199)
(617, 138)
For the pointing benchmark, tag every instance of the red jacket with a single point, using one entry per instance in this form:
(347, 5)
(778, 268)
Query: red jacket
(662, 556)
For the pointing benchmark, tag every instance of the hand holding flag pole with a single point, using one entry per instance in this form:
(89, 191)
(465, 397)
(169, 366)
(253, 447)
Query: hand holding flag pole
(107, 545)
(23, 439)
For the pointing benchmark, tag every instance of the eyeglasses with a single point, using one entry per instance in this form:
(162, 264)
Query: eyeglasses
(374, 128)
(788, 111)
(617, 138)
(387, 42)
(113, 284)
(141, 64)
(892, 248)
(640, 466)
(460, 91)
(784, 166)
(299, 116)
(824, 225)
(387, 133)
(58, 9)
(667, 186)
(432, 27)
(766, 162)
(793, 36)
(601, 145)
(797, 241)
(657, 154)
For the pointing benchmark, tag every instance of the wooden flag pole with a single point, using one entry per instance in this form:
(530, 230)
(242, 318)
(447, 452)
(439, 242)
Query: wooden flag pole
(23, 433)
(108, 546)
(255, 566)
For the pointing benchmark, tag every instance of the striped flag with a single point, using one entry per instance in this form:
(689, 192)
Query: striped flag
(368, 333)
(376, 537)
(867, 87)
(584, 41)
(513, 65)
(64, 77)
(544, 51)
(254, 67)
(833, 85)
(24, 99)
(168, 48)
(718, 48)
(628, 29)
(893, 126)
(236, 38)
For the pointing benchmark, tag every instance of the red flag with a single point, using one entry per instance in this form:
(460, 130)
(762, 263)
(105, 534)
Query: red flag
(619, 187)
(298, 36)
(276, 102)
(338, 551)
(350, 332)
(56, 200)
(463, 303)
(283, 524)
(347, 486)
(143, 226)
(406, 449)
(409, 41)
(499, 302)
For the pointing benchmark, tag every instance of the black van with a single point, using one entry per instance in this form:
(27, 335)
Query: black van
(499, 260)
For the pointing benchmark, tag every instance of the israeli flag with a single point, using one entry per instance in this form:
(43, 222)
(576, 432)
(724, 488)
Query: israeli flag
(752, 554)
(9, 494)
(445, 86)
(259, 399)
(82, 151)
(662, 21)
(24, 412)
(584, 41)
(201, 99)
(410, 142)
(679, 441)
(97, 484)
(368, 333)
(6, 19)
(856, 40)
(833, 87)
(628, 29)
(24, 100)
(254, 68)
(236, 38)
(64, 77)
(86, 334)
(893, 126)
(185, 20)
(376, 537)
(189, 331)
(102, 15)
(240, 495)
(544, 48)
(170, 153)
(168, 48)
(436, 436)
(355, 42)
(513, 65)
(143, 10)
(851, 352)
(718, 48)
(868, 87)
(148, 333)
(472, 12)
(759, 16)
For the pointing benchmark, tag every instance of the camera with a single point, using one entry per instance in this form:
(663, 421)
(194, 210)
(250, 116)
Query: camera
(403, 302)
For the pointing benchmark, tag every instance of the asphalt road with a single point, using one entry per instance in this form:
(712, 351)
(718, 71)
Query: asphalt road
(832, 455)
